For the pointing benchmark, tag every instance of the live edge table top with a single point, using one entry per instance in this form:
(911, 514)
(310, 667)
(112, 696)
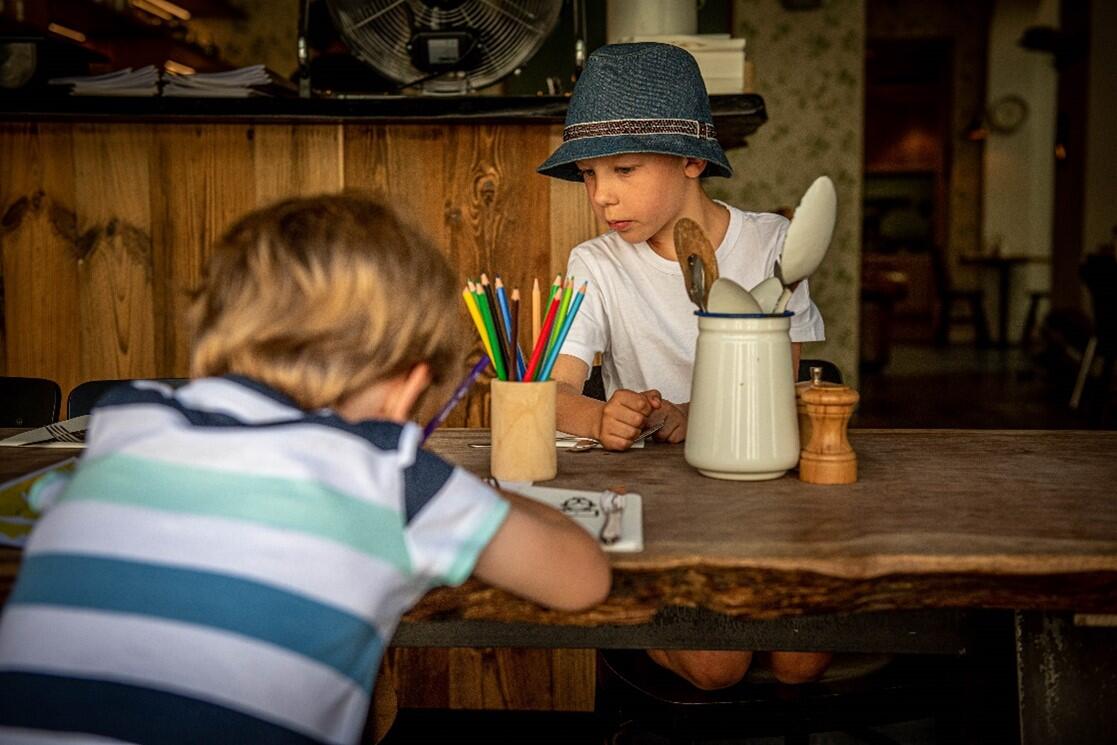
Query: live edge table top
(937, 519)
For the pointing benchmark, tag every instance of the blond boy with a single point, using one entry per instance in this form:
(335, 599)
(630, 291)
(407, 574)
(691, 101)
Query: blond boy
(230, 558)
(639, 134)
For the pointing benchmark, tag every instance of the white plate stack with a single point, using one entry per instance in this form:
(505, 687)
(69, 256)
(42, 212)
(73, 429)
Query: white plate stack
(721, 59)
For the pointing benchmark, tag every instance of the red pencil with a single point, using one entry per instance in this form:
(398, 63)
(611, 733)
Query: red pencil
(544, 333)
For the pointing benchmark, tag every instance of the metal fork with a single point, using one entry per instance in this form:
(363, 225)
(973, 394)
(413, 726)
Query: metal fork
(588, 443)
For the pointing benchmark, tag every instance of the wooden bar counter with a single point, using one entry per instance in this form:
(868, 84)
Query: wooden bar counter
(108, 206)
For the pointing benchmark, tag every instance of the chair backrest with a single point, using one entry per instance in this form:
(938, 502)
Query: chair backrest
(594, 386)
(85, 395)
(29, 402)
(940, 271)
(1099, 274)
(830, 372)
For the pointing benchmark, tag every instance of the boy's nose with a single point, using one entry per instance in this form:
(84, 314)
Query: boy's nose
(604, 196)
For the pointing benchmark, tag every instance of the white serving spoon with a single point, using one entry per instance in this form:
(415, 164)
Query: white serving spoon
(810, 231)
(767, 293)
(726, 296)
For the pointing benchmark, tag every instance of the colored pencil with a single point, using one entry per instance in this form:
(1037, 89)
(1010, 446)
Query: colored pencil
(459, 393)
(545, 373)
(471, 305)
(502, 335)
(502, 298)
(564, 308)
(535, 303)
(555, 286)
(490, 339)
(541, 343)
(516, 330)
(494, 340)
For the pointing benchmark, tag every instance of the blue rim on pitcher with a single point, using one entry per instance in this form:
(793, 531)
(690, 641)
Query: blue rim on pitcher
(710, 314)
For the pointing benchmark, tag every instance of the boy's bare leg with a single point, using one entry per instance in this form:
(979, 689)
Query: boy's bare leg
(705, 669)
(710, 670)
(799, 667)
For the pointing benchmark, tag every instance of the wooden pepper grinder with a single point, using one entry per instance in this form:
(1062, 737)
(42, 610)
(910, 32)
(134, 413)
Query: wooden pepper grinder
(825, 455)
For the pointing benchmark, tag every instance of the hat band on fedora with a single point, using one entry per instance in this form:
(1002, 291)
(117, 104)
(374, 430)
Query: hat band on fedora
(619, 127)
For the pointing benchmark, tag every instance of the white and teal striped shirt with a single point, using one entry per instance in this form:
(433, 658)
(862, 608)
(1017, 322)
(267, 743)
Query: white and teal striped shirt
(224, 567)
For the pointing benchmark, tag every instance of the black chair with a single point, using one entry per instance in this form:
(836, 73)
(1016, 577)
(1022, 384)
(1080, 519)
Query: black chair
(1099, 274)
(85, 395)
(949, 298)
(29, 402)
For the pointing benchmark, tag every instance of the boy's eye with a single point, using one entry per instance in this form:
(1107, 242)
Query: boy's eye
(584, 173)
(625, 170)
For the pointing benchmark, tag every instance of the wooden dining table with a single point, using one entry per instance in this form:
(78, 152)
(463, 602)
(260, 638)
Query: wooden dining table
(940, 524)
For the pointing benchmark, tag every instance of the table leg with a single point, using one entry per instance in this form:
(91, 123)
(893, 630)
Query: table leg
(1066, 680)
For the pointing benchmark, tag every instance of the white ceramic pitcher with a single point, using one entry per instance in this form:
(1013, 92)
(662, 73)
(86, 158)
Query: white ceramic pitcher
(742, 422)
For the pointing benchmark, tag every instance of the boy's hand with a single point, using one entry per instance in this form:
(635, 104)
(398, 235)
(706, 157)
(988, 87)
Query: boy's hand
(672, 416)
(624, 415)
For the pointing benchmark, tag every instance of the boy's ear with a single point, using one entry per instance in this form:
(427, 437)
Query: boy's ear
(694, 167)
(408, 391)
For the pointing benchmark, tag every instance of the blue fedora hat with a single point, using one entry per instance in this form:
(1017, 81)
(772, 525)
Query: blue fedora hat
(638, 98)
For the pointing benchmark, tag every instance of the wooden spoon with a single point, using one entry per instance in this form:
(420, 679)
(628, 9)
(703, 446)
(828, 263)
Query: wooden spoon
(690, 240)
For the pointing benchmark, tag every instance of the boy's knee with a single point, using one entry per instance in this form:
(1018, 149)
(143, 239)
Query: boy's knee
(799, 667)
(711, 670)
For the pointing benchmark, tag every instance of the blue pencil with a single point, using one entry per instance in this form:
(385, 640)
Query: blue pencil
(545, 373)
(459, 393)
(502, 299)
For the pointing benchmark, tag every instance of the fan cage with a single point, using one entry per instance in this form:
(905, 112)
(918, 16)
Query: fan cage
(509, 33)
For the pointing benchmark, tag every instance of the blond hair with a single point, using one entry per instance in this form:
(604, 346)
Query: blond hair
(321, 297)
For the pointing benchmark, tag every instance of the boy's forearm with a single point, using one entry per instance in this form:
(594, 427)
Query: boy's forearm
(577, 414)
(537, 509)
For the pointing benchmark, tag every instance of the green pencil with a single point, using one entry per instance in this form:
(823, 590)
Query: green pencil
(487, 317)
(564, 306)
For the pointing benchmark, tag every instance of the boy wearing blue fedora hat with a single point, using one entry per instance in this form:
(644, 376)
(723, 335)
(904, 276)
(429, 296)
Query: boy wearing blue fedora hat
(640, 135)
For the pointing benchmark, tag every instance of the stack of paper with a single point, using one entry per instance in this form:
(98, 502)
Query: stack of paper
(126, 82)
(239, 83)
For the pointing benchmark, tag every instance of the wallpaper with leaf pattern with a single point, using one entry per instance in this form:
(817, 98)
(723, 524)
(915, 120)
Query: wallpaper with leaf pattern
(810, 70)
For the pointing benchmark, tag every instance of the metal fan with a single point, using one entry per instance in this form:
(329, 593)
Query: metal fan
(445, 46)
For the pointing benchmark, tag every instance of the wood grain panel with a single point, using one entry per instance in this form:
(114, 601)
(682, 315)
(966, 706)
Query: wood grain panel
(572, 220)
(204, 179)
(492, 678)
(112, 169)
(38, 237)
(297, 160)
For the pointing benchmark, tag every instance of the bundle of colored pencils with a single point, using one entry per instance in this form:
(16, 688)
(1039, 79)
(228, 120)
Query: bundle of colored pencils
(497, 320)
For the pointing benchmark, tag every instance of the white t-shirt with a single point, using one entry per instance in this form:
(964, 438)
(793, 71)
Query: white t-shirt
(637, 314)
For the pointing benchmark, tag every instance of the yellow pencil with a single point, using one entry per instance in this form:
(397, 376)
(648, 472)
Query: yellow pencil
(475, 314)
(536, 321)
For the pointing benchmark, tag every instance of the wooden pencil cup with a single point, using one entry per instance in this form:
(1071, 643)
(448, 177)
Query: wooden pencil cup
(826, 456)
(523, 431)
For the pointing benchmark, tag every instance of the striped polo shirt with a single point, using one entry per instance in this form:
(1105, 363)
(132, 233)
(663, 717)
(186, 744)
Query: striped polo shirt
(225, 567)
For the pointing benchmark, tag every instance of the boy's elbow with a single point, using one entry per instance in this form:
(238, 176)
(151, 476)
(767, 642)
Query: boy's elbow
(592, 589)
